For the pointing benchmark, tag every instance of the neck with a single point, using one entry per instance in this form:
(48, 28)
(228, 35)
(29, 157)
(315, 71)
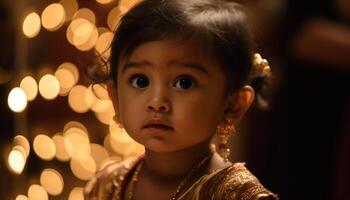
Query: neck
(175, 164)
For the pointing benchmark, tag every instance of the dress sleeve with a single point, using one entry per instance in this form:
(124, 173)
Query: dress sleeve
(240, 184)
(255, 191)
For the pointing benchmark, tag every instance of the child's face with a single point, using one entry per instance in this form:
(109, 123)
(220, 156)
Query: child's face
(172, 83)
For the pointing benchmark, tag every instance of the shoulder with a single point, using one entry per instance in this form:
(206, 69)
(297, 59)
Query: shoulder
(238, 183)
(104, 183)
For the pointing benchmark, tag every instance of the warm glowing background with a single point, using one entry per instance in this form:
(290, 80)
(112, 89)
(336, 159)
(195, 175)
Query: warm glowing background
(63, 131)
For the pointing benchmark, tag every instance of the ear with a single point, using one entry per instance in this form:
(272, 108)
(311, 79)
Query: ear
(112, 92)
(240, 101)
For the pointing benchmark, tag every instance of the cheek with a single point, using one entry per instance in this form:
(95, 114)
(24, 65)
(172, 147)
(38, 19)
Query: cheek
(202, 114)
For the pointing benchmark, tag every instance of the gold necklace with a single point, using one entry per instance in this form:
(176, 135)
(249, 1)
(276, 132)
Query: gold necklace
(183, 183)
(134, 179)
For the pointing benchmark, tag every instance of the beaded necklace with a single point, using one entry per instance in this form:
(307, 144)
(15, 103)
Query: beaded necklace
(181, 186)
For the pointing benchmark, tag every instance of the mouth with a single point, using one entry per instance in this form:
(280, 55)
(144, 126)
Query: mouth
(158, 126)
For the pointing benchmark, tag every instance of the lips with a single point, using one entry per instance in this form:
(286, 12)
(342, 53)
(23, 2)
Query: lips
(158, 124)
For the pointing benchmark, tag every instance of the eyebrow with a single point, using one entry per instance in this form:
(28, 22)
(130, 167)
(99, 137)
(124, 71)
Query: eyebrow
(192, 65)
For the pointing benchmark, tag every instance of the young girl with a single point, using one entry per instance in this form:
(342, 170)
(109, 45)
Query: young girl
(179, 75)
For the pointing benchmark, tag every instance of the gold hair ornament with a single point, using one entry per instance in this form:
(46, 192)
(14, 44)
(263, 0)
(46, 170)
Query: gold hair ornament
(261, 65)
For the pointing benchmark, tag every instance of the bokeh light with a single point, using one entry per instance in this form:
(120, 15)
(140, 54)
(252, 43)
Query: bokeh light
(114, 17)
(61, 151)
(121, 143)
(30, 87)
(110, 160)
(102, 30)
(90, 96)
(67, 75)
(77, 143)
(99, 154)
(20, 140)
(44, 147)
(53, 16)
(17, 100)
(80, 31)
(21, 197)
(77, 193)
(52, 181)
(91, 42)
(127, 4)
(74, 124)
(70, 7)
(17, 159)
(37, 192)
(106, 117)
(49, 87)
(76, 99)
(84, 168)
(85, 13)
(103, 44)
(31, 25)
(104, 1)
(97, 98)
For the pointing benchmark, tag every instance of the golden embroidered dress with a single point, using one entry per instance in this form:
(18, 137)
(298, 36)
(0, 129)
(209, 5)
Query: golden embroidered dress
(231, 183)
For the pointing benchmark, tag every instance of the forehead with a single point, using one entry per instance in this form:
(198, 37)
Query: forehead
(167, 50)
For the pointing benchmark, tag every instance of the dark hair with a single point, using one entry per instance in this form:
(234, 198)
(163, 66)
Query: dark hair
(219, 26)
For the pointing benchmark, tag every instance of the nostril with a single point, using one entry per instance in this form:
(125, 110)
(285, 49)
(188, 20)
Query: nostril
(159, 108)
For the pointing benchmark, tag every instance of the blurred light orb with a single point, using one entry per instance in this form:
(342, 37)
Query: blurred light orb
(66, 80)
(49, 87)
(106, 117)
(70, 7)
(110, 160)
(77, 193)
(85, 13)
(114, 17)
(101, 91)
(37, 192)
(103, 44)
(30, 87)
(31, 25)
(119, 134)
(17, 100)
(84, 169)
(99, 154)
(127, 4)
(76, 99)
(77, 143)
(102, 30)
(21, 197)
(104, 1)
(20, 140)
(74, 124)
(53, 16)
(90, 98)
(91, 42)
(67, 75)
(79, 31)
(61, 151)
(101, 106)
(52, 181)
(44, 147)
(17, 160)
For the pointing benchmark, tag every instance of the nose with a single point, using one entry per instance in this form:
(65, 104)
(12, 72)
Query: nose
(158, 101)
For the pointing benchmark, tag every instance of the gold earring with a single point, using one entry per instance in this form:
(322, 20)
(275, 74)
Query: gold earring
(225, 130)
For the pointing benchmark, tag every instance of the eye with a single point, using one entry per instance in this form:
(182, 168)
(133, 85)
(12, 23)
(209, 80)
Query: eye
(185, 82)
(139, 81)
